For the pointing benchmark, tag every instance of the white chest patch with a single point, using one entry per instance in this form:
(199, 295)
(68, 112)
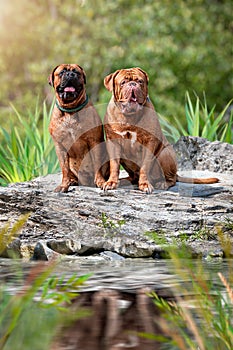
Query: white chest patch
(132, 135)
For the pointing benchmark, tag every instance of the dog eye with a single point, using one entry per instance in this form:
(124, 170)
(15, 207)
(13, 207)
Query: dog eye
(123, 82)
(140, 81)
(62, 72)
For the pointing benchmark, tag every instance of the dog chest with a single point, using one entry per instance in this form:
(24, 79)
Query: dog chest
(68, 130)
(128, 135)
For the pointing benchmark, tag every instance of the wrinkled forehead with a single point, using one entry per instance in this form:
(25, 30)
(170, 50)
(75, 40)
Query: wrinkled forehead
(130, 74)
(67, 67)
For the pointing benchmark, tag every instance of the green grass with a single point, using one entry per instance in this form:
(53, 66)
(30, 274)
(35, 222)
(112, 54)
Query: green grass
(157, 236)
(208, 326)
(201, 122)
(201, 316)
(27, 150)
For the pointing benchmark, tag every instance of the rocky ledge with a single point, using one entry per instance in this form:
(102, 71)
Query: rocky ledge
(126, 222)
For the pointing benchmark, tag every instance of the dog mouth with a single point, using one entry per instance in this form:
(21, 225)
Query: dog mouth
(132, 103)
(69, 89)
(69, 93)
(133, 98)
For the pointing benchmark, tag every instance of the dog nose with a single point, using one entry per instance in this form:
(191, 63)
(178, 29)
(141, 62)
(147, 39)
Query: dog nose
(70, 74)
(132, 83)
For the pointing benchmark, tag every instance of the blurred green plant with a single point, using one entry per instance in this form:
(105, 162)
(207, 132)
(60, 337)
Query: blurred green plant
(27, 150)
(201, 317)
(41, 304)
(9, 232)
(39, 308)
(201, 122)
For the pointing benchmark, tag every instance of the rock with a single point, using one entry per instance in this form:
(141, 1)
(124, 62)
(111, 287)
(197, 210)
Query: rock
(108, 255)
(87, 221)
(200, 154)
(13, 250)
(42, 252)
(64, 246)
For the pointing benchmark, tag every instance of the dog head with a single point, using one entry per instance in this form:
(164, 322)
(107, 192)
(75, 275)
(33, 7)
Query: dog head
(69, 82)
(129, 88)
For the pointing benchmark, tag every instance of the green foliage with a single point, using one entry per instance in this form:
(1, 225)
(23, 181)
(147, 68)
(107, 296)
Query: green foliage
(23, 320)
(207, 324)
(183, 45)
(201, 122)
(41, 304)
(204, 123)
(110, 226)
(157, 237)
(27, 150)
(60, 291)
(179, 44)
(204, 233)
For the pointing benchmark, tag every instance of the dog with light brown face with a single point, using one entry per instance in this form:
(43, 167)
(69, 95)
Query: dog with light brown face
(76, 129)
(134, 138)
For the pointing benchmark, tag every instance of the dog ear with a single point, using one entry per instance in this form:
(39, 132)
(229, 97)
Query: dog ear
(109, 80)
(146, 75)
(50, 79)
(51, 76)
(84, 74)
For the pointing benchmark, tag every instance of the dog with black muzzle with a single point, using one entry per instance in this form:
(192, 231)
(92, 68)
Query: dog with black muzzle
(76, 129)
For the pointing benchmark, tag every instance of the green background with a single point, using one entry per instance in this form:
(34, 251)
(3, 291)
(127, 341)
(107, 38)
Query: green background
(184, 45)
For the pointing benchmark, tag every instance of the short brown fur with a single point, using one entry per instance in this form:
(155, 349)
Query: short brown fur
(78, 136)
(134, 137)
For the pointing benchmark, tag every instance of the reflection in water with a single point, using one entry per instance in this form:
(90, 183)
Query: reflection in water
(116, 296)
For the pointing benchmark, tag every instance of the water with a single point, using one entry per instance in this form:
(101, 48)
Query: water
(126, 275)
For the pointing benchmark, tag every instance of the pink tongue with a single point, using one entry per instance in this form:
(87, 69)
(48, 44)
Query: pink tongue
(69, 88)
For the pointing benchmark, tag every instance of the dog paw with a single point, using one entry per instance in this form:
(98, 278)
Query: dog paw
(61, 189)
(110, 185)
(146, 187)
(100, 181)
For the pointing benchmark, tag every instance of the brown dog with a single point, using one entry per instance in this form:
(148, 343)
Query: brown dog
(134, 136)
(76, 129)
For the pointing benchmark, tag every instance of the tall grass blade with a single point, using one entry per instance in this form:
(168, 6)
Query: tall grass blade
(27, 150)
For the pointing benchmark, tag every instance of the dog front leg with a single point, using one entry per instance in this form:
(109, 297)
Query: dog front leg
(114, 152)
(98, 155)
(144, 184)
(64, 164)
